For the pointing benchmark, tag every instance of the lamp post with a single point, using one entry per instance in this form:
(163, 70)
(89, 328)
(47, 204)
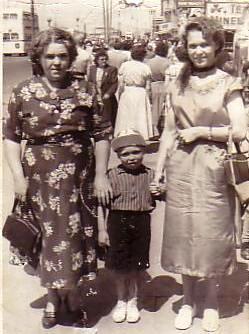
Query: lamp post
(32, 11)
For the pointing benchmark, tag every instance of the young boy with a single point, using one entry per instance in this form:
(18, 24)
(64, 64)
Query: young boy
(128, 224)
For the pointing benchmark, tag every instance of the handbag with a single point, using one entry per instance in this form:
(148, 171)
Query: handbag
(23, 232)
(237, 170)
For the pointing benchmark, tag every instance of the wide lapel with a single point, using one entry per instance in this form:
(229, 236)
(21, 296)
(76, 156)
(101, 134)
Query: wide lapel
(105, 75)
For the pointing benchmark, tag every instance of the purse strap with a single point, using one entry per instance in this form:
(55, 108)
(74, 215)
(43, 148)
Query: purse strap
(230, 145)
(16, 201)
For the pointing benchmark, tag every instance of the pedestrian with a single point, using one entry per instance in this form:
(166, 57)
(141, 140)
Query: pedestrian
(158, 66)
(117, 56)
(57, 175)
(128, 226)
(105, 78)
(198, 239)
(134, 109)
(83, 60)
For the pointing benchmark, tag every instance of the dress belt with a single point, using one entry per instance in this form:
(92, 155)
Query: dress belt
(60, 138)
(134, 86)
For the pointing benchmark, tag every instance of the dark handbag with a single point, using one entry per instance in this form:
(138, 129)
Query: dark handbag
(237, 170)
(23, 232)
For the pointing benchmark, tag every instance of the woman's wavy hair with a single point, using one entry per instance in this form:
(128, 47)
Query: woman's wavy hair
(100, 53)
(212, 30)
(43, 39)
(138, 52)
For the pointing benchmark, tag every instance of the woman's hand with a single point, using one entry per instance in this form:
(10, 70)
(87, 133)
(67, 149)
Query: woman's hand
(21, 186)
(106, 96)
(103, 189)
(158, 186)
(103, 238)
(189, 135)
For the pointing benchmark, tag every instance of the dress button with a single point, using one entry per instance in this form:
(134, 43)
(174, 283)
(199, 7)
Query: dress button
(53, 95)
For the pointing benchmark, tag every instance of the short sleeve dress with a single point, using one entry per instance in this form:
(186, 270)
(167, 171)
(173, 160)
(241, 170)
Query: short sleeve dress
(198, 235)
(59, 164)
(134, 110)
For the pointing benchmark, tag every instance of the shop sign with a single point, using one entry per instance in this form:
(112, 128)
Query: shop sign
(229, 14)
(190, 3)
(133, 2)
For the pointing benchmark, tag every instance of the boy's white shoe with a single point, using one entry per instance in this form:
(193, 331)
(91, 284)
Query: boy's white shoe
(119, 312)
(133, 314)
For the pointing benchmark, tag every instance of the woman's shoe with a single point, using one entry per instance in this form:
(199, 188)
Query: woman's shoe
(49, 319)
(210, 321)
(184, 318)
(133, 314)
(119, 313)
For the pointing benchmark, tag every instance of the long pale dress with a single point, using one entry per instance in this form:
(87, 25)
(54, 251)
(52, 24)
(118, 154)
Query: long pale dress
(134, 110)
(198, 237)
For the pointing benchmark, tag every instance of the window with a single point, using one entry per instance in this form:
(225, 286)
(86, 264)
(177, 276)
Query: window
(13, 16)
(15, 36)
(6, 37)
(5, 16)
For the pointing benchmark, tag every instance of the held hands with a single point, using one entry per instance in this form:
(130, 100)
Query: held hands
(103, 238)
(106, 96)
(102, 189)
(189, 135)
(158, 186)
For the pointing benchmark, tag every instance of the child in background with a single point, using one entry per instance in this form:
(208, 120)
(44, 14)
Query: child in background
(128, 226)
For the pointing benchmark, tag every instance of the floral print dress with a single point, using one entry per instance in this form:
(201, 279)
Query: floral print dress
(58, 161)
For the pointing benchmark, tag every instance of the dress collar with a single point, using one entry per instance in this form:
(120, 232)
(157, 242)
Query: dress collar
(43, 92)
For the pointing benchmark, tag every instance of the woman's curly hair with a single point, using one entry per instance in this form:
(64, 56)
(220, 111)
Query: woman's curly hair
(212, 30)
(43, 39)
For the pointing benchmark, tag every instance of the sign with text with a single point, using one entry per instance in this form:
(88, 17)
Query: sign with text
(229, 14)
(133, 2)
(190, 3)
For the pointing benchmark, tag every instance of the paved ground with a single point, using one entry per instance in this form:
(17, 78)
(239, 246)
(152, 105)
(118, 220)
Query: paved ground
(161, 292)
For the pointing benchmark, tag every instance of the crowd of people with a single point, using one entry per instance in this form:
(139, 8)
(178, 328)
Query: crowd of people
(82, 102)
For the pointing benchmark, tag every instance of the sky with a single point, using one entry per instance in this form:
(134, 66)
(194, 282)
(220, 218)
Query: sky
(89, 12)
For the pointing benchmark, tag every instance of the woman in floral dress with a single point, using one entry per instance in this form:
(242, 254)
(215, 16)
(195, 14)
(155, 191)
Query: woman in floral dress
(58, 119)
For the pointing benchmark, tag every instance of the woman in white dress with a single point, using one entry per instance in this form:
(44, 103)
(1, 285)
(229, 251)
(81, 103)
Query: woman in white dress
(134, 110)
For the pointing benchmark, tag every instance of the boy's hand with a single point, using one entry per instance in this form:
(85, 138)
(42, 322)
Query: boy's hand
(155, 188)
(103, 238)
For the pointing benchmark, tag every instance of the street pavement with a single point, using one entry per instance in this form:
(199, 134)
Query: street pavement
(160, 292)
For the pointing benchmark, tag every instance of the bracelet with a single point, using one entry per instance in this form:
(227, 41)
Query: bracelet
(210, 137)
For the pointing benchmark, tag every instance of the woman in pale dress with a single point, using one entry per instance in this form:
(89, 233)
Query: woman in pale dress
(134, 110)
(198, 240)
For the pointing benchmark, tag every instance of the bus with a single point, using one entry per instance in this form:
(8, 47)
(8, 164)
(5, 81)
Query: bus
(17, 31)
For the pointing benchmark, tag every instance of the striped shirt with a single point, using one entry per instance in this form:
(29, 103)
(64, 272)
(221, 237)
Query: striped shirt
(131, 189)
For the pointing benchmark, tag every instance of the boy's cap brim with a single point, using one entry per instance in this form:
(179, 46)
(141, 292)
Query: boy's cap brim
(129, 140)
